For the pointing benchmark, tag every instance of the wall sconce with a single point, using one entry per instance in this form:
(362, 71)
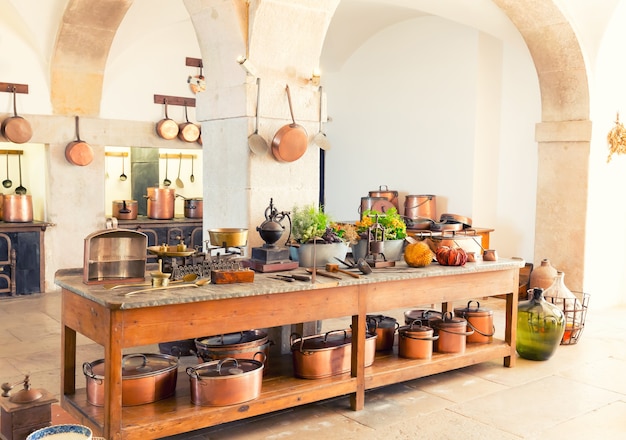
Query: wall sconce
(316, 77)
(246, 65)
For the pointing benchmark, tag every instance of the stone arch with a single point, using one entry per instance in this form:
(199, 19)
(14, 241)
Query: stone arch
(563, 136)
(79, 57)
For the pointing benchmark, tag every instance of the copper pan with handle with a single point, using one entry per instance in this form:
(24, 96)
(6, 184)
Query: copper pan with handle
(15, 128)
(290, 141)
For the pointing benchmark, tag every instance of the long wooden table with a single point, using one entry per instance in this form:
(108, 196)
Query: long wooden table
(117, 323)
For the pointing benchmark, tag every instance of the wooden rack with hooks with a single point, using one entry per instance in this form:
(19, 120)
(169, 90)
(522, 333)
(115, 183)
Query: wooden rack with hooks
(8, 87)
(116, 154)
(5, 152)
(175, 100)
(193, 62)
(177, 156)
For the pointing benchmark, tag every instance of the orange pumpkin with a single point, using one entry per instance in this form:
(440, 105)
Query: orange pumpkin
(449, 256)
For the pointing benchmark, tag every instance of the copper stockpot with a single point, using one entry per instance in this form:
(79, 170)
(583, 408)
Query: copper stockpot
(124, 209)
(386, 193)
(194, 208)
(239, 345)
(225, 382)
(330, 354)
(161, 202)
(385, 328)
(452, 334)
(17, 208)
(415, 341)
(478, 319)
(146, 378)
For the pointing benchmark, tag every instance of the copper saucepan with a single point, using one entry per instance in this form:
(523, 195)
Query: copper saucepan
(78, 152)
(15, 128)
(290, 142)
(167, 128)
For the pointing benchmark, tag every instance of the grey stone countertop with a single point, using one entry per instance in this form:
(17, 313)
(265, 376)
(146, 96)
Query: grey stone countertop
(263, 284)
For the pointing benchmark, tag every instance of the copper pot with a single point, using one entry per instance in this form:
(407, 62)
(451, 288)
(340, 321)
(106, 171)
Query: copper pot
(420, 206)
(125, 209)
(161, 203)
(240, 345)
(146, 378)
(452, 334)
(15, 128)
(385, 328)
(385, 192)
(319, 356)
(290, 141)
(478, 319)
(225, 382)
(194, 208)
(415, 341)
(17, 208)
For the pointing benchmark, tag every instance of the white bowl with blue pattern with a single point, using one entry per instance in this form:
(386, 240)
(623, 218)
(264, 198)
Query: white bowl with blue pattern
(62, 432)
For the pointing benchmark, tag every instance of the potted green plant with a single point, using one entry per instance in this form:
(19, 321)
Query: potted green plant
(314, 239)
(392, 232)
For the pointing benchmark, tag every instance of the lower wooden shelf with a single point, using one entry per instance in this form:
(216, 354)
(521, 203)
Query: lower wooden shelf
(280, 390)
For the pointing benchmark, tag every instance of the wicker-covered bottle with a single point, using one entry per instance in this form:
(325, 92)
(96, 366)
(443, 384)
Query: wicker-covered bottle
(540, 327)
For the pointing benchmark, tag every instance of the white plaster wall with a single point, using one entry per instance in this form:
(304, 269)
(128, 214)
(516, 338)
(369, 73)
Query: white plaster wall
(405, 114)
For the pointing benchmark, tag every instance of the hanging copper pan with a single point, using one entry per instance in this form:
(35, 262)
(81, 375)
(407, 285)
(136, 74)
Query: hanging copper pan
(15, 128)
(167, 128)
(290, 142)
(188, 131)
(78, 152)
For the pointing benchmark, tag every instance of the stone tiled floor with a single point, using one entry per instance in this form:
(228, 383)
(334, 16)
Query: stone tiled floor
(580, 393)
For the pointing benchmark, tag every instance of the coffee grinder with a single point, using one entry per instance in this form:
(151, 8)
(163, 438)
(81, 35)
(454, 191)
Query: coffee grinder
(375, 256)
(271, 257)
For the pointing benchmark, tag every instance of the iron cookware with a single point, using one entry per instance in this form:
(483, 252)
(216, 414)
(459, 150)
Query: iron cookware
(226, 381)
(146, 378)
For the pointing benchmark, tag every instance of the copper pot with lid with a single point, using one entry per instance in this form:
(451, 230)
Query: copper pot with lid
(385, 192)
(452, 332)
(124, 209)
(161, 202)
(415, 341)
(479, 319)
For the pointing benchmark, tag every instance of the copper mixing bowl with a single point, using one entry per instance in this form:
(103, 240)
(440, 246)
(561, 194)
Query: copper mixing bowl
(228, 237)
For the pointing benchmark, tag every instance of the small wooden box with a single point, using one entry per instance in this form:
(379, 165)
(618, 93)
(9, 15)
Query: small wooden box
(232, 276)
(18, 420)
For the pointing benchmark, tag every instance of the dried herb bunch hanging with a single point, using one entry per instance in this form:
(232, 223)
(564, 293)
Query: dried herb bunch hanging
(616, 139)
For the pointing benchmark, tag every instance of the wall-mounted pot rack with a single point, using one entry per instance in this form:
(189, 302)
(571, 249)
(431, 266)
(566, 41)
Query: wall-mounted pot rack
(175, 100)
(8, 87)
(177, 156)
(116, 154)
(5, 152)
(193, 62)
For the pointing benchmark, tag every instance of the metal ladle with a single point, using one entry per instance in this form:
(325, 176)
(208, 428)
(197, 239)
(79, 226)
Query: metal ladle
(20, 189)
(7, 183)
(123, 176)
(166, 181)
(192, 178)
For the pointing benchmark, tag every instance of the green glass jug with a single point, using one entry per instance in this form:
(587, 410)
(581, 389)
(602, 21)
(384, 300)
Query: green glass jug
(540, 327)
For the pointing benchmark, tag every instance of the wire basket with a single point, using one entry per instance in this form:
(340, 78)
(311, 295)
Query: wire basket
(575, 310)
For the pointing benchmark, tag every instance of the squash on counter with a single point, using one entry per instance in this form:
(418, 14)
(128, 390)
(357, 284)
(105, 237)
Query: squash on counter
(451, 256)
(418, 254)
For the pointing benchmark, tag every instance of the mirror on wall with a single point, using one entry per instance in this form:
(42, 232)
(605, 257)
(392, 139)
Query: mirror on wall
(129, 171)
